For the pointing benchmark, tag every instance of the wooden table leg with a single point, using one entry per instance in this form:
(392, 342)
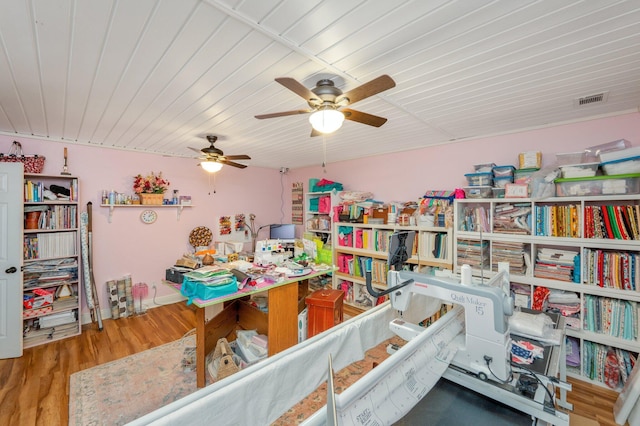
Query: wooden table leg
(283, 317)
(201, 377)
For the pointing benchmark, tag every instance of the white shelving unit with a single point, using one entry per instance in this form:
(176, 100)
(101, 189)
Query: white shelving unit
(352, 241)
(521, 231)
(51, 260)
(318, 212)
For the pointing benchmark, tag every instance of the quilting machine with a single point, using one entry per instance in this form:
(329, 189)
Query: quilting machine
(483, 359)
(485, 348)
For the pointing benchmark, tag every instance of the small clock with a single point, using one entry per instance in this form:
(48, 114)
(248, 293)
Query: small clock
(148, 216)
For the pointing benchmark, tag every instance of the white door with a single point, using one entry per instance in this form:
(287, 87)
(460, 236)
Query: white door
(11, 217)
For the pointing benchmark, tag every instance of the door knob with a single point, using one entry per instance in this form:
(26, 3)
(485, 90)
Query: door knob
(11, 270)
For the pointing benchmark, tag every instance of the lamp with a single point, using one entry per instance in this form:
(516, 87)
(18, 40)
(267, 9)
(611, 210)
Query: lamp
(211, 166)
(326, 120)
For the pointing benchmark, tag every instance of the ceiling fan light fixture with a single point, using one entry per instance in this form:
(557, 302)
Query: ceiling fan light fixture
(326, 120)
(211, 166)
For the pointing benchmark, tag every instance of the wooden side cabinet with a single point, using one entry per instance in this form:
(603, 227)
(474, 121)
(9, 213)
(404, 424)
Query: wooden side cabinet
(324, 310)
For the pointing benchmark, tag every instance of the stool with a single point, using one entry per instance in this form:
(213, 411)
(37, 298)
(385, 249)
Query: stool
(324, 310)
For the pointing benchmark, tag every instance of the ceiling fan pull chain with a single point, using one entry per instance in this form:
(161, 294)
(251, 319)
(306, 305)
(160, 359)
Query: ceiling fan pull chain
(214, 183)
(324, 153)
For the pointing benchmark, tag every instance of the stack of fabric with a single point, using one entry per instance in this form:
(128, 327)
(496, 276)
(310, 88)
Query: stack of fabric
(567, 304)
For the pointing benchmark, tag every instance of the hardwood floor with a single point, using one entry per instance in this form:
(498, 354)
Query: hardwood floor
(35, 388)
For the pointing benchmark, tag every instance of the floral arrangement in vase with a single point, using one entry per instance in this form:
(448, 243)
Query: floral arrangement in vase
(150, 184)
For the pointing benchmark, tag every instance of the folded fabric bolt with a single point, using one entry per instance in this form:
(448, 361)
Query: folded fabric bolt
(355, 195)
(530, 324)
(573, 351)
(561, 296)
(524, 352)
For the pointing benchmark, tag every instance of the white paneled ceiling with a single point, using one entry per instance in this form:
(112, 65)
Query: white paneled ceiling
(159, 75)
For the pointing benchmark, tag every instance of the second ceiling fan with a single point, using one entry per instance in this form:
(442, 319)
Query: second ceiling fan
(213, 158)
(327, 103)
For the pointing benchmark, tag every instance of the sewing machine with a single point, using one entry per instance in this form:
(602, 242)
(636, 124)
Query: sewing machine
(485, 349)
(269, 252)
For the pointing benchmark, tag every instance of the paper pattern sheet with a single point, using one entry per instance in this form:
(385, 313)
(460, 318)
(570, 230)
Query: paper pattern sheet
(416, 368)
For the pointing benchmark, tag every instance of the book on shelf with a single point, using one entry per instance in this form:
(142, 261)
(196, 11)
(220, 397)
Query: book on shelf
(433, 245)
(58, 217)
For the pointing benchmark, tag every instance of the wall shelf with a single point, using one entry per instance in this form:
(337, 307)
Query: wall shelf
(593, 263)
(179, 207)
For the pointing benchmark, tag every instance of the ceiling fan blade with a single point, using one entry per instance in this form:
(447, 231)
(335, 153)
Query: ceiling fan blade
(299, 89)
(363, 117)
(231, 163)
(282, 114)
(237, 157)
(375, 86)
(314, 132)
(196, 150)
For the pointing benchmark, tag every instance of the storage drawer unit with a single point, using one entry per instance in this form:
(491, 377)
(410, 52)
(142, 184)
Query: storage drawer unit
(324, 310)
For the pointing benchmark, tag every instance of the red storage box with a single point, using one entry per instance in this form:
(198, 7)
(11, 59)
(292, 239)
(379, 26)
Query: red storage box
(324, 310)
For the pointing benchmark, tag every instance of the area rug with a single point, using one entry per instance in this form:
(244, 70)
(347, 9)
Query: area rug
(121, 391)
(118, 392)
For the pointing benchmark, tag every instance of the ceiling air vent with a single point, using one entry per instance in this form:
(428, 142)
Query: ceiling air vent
(598, 98)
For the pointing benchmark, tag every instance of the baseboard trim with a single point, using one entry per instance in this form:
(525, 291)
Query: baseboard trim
(148, 303)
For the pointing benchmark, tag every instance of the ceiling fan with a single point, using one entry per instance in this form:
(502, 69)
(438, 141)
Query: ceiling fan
(327, 103)
(213, 158)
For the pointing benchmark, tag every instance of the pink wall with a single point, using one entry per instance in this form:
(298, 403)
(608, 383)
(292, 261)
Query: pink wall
(407, 175)
(126, 245)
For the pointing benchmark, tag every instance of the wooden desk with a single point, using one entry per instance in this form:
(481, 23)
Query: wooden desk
(285, 299)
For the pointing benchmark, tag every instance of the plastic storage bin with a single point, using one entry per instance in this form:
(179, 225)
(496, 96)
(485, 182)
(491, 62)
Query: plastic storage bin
(621, 166)
(483, 168)
(598, 185)
(477, 191)
(613, 151)
(567, 158)
(523, 175)
(502, 171)
(502, 181)
(579, 170)
(479, 179)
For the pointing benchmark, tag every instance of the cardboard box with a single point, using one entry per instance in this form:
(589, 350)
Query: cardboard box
(530, 160)
(302, 325)
(380, 213)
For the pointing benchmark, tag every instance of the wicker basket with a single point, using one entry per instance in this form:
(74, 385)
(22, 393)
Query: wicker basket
(222, 365)
(151, 199)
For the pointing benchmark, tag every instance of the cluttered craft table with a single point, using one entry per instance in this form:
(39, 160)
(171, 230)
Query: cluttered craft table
(286, 298)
